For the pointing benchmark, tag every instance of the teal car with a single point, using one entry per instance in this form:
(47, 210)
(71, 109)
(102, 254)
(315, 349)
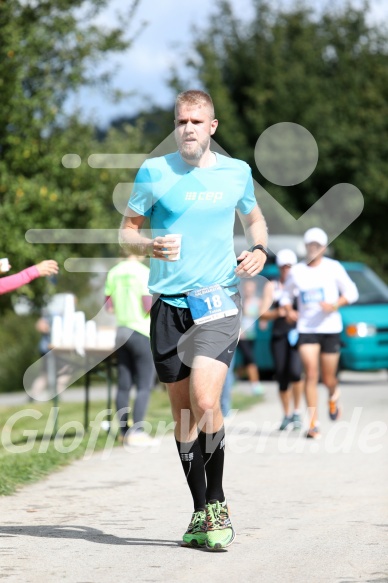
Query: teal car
(364, 337)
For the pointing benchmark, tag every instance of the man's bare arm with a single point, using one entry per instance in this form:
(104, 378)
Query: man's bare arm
(255, 229)
(130, 237)
(133, 242)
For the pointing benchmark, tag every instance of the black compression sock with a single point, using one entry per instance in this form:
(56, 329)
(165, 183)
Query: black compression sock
(193, 466)
(213, 452)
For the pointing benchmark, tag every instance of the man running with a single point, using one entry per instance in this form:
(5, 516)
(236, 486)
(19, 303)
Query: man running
(322, 286)
(195, 318)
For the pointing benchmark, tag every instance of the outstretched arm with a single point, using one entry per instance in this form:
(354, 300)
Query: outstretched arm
(12, 282)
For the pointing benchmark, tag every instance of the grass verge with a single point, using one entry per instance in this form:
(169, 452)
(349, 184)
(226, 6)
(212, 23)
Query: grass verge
(27, 453)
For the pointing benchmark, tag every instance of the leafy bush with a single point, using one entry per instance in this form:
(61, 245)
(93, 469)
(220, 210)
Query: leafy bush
(18, 349)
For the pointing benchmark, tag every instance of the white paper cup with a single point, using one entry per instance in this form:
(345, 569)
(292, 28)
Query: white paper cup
(178, 239)
(4, 265)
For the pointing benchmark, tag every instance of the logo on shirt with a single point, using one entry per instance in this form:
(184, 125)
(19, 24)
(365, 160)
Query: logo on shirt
(208, 195)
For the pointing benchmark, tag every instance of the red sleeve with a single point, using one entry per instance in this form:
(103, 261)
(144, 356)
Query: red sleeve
(12, 282)
(108, 303)
(147, 303)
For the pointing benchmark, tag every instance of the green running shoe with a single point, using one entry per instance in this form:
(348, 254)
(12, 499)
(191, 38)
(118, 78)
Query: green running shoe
(285, 423)
(195, 535)
(220, 533)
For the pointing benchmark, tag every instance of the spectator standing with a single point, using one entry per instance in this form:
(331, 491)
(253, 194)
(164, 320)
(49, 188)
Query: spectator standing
(128, 297)
(10, 283)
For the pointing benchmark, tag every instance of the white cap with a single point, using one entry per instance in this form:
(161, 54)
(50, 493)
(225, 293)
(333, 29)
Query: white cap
(315, 235)
(286, 257)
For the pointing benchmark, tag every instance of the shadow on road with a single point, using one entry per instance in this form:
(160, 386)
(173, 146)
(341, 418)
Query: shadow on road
(81, 532)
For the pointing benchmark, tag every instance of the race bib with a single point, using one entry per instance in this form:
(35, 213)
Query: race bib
(210, 303)
(312, 296)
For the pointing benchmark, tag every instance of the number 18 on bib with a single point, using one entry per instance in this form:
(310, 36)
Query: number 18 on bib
(210, 303)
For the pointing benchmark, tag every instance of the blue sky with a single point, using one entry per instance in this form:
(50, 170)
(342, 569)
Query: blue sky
(145, 67)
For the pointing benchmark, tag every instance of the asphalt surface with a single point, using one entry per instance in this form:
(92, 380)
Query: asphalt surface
(304, 511)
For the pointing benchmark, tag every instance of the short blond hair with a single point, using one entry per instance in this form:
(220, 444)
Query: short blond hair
(195, 97)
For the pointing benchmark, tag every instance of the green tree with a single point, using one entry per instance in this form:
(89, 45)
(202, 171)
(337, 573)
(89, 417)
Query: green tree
(49, 49)
(327, 72)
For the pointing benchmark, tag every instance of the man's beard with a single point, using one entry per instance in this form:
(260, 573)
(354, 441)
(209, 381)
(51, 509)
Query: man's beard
(189, 154)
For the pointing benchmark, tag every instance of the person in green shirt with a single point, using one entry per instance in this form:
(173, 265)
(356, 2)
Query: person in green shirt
(127, 295)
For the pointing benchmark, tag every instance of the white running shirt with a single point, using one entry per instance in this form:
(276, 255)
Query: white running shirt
(312, 285)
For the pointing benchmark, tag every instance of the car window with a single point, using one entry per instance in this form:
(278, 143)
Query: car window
(371, 289)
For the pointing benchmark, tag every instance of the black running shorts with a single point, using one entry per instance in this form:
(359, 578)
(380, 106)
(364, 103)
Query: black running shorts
(329, 343)
(176, 340)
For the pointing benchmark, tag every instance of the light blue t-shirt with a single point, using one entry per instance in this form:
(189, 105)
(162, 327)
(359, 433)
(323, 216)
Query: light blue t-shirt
(199, 204)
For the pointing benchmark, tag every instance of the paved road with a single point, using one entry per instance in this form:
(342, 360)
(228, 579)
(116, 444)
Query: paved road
(71, 395)
(303, 511)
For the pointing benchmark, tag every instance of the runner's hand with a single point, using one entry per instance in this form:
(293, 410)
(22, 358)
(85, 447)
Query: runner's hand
(291, 317)
(164, 248)
(251, 263)
(326, 307)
